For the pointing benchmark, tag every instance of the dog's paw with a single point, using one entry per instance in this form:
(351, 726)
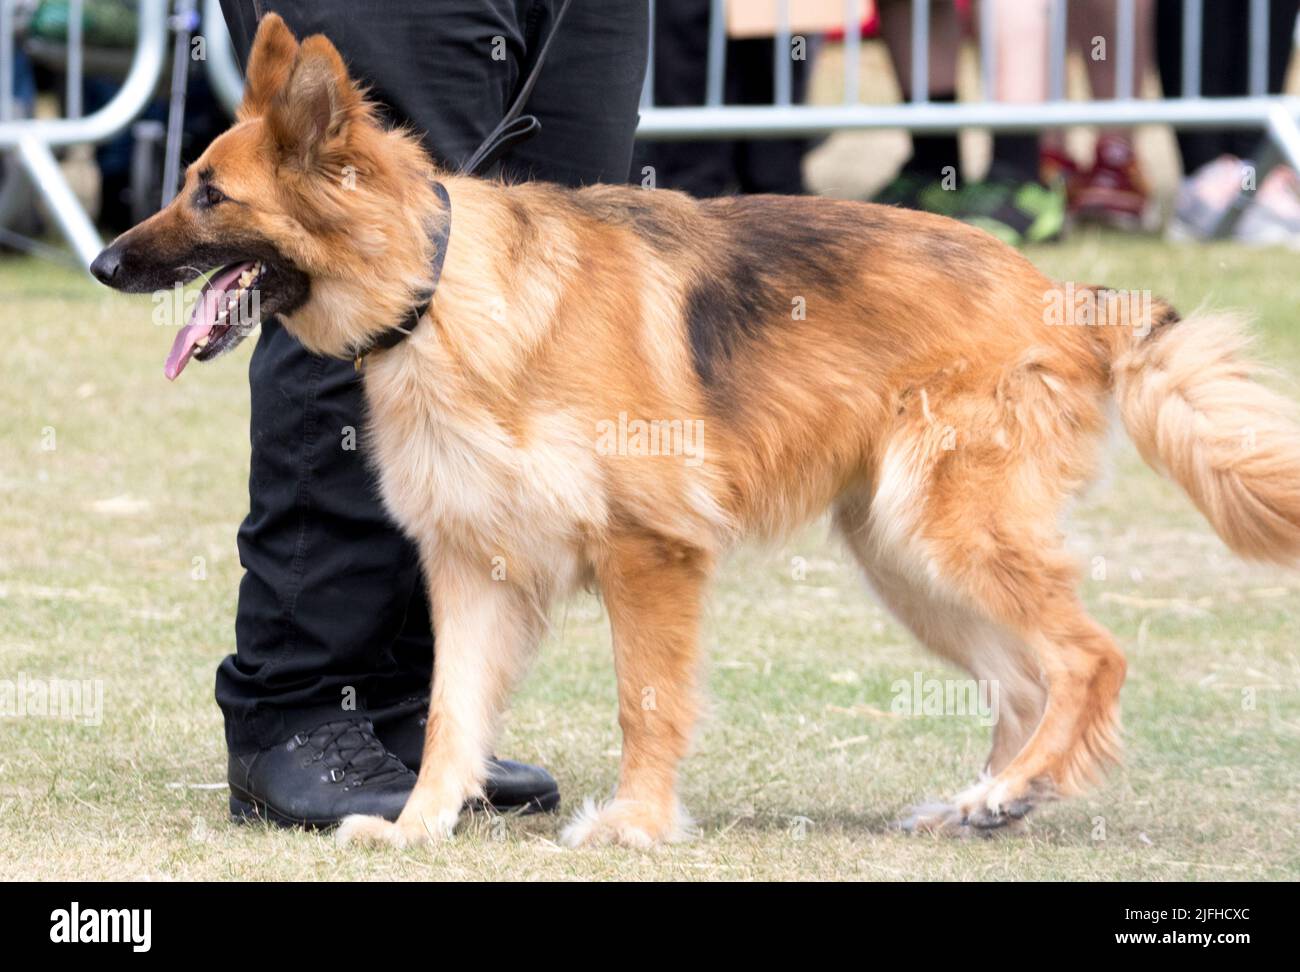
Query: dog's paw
(986, 819)
(406, 832)
(369, 832)
(626, 823)
(1004, 802)
(978, 811)
(932, 818)
(995, 805)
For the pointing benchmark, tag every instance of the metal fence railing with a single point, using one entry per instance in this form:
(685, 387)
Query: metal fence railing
(32, 141)
(223, 71)
(1277, 115)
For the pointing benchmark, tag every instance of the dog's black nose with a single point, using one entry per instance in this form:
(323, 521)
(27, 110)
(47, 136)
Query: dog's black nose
(106, 265)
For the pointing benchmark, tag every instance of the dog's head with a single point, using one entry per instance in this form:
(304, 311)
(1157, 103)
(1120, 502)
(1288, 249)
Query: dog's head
(306, 208)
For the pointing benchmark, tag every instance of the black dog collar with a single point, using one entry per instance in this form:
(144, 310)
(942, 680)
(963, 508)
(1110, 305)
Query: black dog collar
(513, 128)
(394, 336)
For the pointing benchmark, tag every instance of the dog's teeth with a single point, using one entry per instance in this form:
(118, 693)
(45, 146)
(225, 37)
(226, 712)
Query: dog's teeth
(201, 342)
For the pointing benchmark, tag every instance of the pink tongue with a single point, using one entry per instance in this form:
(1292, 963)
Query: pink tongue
(203, 318)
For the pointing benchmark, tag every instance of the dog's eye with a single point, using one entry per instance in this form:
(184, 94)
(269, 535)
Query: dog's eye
(209, 195)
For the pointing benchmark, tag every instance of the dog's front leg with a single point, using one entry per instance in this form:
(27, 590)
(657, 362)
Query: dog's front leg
(653, 588)
(484, 632)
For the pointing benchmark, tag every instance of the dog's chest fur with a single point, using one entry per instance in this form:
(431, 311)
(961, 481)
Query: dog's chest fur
(458, 481)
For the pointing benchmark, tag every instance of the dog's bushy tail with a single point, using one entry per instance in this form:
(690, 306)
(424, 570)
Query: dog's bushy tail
(1188, 399)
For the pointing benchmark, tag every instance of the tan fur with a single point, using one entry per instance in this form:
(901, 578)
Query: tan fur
(1192, 408)
(921, 396)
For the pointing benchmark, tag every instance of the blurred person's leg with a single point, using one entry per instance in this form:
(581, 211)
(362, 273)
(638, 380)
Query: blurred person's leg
(1114, 190)
(1217, 163)
(681, 48)
(1021, 38)
(1011, 202)
(766, 164)
(1225, 67)
(1094, 27)
(1273, 216)
(113, 157)
(945, 40)
(1223, 70)
(1023, 52)
(922, 181)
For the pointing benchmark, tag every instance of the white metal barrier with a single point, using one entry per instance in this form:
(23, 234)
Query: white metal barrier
(1276, 114)
(33, 141)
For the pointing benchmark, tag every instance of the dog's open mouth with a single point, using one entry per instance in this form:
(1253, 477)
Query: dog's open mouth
(228, 309)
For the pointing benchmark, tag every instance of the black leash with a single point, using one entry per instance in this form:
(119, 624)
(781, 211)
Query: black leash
(513, 129)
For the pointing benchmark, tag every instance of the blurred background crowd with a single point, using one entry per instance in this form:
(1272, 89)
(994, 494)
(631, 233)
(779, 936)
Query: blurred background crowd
(1021, 187)
(1024, 188)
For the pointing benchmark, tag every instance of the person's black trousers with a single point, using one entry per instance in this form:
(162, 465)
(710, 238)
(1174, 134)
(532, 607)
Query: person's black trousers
(332, 605)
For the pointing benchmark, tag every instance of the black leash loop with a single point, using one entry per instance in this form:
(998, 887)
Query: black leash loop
(503, 138)
(515, 127)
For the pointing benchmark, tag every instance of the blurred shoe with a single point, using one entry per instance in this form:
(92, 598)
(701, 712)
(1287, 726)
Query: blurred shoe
(1273, 217)
(1113, 192)
(913, 191)
(903, 190)
(1206, 196)
(1015, 212)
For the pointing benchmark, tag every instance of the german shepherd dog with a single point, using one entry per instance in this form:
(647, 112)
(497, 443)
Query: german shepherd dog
(901, 370)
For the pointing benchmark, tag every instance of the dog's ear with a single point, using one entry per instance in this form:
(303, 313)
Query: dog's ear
(269, 64)
(311, 116)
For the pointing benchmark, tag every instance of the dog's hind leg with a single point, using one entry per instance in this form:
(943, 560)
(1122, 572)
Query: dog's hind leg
(1001, 553)
(1074, 741)
(653, 589)
(1003, 664)
(964, 540)
(487, 630)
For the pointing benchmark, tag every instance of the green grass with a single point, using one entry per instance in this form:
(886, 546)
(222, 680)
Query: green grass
(796, 774)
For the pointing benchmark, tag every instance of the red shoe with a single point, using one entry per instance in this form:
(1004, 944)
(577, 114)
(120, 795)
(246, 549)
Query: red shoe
(1114, 192)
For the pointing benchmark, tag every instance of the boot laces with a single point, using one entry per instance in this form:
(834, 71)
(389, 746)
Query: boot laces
(352, 749)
